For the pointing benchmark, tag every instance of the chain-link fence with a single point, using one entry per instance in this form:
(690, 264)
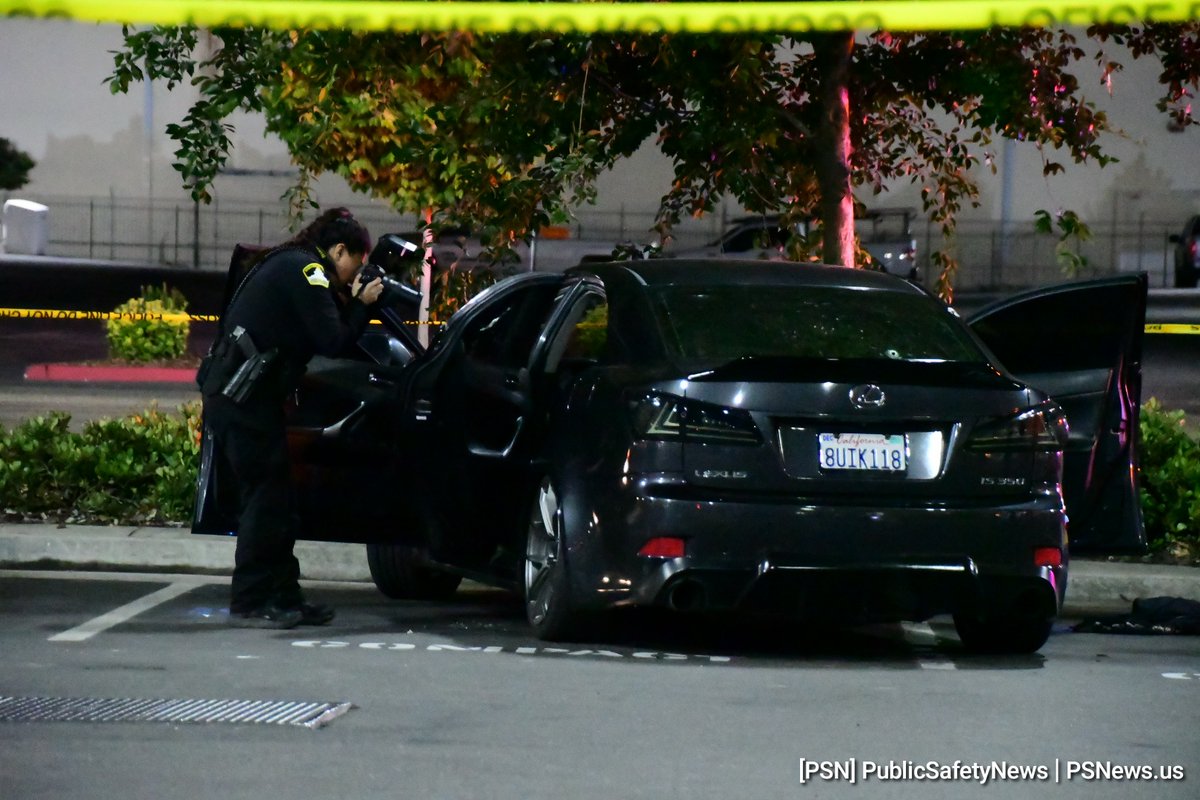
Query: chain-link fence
(197, 236)
(181, 234)
(992, 257)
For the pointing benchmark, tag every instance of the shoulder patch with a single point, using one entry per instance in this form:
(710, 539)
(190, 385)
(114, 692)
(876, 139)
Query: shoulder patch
(314, 273)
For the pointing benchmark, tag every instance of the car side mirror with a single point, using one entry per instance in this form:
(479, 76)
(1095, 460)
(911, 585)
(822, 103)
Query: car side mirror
(1174, 238)
(384, 349)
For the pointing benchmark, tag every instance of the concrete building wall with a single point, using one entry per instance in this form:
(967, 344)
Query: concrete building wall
(90, 143)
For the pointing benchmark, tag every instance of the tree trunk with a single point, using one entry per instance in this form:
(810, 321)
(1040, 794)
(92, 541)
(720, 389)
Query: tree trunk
(426, 281)
(833, 168)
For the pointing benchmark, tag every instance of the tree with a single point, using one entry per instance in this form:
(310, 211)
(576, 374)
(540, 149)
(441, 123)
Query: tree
(766, 124)
(506, 132)
(14, 166)
(422, 121)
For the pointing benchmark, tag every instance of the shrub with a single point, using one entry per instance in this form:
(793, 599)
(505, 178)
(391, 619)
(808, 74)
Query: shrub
(139, 469)
(1170, 478)
(14, 166)
(453, 286)
(142, 338)
(147, 461)
(36, 460)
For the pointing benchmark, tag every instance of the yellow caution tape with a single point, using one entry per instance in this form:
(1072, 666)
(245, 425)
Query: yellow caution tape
(50, 313)
(598, 17)
(1172, 327)
(54, 313)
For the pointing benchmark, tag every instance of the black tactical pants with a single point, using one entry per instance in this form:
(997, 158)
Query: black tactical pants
(265, 569)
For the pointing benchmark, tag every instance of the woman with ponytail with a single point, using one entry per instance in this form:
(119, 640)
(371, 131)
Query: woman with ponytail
(302, 298)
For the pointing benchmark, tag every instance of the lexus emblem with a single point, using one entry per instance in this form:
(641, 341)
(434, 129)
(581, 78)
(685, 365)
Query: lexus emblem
(867, 396)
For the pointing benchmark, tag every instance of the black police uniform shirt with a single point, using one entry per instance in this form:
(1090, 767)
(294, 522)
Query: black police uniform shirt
(288, 303)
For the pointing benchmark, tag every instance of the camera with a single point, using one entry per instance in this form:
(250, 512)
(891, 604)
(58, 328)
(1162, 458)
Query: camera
(369, 272)
(395, 255)
(396, 293)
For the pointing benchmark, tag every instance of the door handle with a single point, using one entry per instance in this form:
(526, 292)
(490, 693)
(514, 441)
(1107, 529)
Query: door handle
(334, 429)
(504, 452)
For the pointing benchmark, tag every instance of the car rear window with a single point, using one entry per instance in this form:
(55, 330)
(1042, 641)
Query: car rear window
(718, 324)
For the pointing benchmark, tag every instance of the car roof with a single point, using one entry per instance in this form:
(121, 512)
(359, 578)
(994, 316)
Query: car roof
(740, 272)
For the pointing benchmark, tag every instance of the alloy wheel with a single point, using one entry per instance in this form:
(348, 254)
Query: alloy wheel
(542, 550)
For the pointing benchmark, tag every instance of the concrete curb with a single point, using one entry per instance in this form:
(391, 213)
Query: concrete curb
(151, 549)
(98, 373)
(1094, 586)
(1097, 586)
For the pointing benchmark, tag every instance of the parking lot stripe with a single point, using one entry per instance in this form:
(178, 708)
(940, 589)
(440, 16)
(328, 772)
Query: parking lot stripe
(123, 614)
(922, 634)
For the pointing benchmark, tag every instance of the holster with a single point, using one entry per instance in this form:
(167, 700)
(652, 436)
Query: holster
(234, 367)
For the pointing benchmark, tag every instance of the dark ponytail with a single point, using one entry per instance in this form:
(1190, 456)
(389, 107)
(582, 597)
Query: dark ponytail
(335, 226)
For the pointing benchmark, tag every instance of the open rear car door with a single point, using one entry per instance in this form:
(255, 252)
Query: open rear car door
(1081, 343)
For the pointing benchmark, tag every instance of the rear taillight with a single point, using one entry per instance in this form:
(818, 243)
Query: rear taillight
(1047, 557)
(664, 547)
(664, 416)
(1043, 427)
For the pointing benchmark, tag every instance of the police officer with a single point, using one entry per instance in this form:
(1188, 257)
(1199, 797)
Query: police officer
(303, 297)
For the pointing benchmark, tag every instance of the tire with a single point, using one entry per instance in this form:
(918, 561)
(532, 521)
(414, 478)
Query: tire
(1002, 634)
(398, 573)
(1185, 278)
(548, 603)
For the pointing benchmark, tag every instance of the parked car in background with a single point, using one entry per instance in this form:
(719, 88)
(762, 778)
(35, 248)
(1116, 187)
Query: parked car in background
(886, 234)
(552, 250)
(731, 436)
(755, 238)
(1187, 254)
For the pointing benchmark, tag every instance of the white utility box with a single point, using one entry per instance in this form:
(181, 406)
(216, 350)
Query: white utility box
(26, 227)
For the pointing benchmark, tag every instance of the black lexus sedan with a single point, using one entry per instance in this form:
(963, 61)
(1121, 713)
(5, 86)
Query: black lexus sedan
(707, 435)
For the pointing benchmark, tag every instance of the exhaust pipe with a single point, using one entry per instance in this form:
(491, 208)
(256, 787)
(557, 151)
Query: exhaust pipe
(686, 596)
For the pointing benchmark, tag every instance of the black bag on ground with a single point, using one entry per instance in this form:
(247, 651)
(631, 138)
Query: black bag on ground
(1150, 615)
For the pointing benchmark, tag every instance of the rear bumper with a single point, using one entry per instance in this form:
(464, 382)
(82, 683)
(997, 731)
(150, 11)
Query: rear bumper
(856, 593)
(809, 558)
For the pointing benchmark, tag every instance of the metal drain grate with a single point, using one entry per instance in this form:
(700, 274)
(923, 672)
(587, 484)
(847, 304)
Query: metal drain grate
(94, 709)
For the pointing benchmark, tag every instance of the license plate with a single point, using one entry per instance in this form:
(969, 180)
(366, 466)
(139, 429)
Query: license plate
(870, 452)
